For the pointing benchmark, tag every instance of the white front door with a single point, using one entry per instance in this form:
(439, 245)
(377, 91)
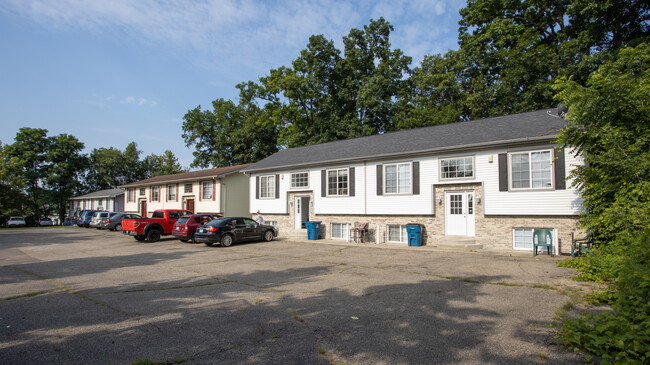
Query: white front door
(459, 213)
(301, 211)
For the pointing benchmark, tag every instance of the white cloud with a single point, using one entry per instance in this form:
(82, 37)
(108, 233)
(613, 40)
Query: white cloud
(260, 33)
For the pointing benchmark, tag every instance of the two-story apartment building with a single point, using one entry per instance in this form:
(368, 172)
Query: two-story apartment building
(222, 190)
(489, 181)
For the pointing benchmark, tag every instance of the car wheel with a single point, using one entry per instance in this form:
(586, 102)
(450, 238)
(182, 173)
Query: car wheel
(153, 235)
(118, 227)
(268, 236)
(226, 240)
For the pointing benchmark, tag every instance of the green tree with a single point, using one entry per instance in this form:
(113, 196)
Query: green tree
(29, 153)
(106, 168)
(165, 164)
(231, 134)
(11, 184)
(608, 125)
(64, 171)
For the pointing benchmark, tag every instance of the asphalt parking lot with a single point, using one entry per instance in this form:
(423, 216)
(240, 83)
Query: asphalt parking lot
(72, 295)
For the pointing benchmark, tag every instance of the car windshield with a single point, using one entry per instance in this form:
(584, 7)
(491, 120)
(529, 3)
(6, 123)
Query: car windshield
(182, 220)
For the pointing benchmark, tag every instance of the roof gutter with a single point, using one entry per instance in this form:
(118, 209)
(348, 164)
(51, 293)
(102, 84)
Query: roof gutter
(466, 147)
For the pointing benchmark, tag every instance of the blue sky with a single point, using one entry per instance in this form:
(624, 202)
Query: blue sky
(112, 72)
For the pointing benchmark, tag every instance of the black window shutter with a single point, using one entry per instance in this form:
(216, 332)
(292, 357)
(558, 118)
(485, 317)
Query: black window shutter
(416, 178)
(503, 172)
(380, 180)
(351, 181)
(277, 186)
(323, 183)
(257, 187)
(560, 173)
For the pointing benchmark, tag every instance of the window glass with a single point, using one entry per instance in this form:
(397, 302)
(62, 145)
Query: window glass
(340, 231)
(173, 215)
(337, 182)
(523, 239)
(154, 194)
(142, 191)
(187, 188)
(398, 178)
(171, 192)
(157, 214)
(300, 180)
(531, 170)
(267, 187)
(207, 190)
(456, 168)
(397, 233)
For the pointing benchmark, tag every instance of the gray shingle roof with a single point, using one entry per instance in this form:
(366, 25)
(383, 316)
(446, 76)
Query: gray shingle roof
(107, 193)
(495, 131)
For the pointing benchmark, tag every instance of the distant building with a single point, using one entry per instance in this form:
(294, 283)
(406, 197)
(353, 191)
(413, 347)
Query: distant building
(111, 200)
(221, 190)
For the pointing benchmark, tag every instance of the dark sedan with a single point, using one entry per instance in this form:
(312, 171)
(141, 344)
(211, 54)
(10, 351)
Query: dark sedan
(186, 225)
(114, 223)
(227, 231)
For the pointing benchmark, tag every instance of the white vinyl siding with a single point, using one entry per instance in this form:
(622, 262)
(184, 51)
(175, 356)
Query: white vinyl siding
(299, 180)
(457, 168)
(531, 170)
(397, 178)
(267, 187)
(523, 239)
(337, 182)
(397, 233)
(340, 231)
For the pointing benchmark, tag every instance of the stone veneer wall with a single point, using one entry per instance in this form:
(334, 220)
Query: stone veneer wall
(494, 232)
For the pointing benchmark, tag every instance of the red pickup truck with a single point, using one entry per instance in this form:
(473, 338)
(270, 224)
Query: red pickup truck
(161, 223)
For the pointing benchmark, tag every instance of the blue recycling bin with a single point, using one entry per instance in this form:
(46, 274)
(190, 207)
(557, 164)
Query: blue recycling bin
(414, 232)
(313, 230)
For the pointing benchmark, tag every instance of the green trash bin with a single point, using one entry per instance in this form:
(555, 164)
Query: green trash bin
(543, 238)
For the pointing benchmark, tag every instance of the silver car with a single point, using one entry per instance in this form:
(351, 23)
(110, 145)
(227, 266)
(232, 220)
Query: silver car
(16, 222)
(97, 218)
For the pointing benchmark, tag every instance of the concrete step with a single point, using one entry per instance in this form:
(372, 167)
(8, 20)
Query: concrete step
(458, 242)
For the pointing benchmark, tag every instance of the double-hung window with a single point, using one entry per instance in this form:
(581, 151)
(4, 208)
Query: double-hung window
(531, 170)
(337, 182)
(171, 192)
(267, 187)
(206, 190)
(155, 194)
(131, 196)
(398, 178)
(457, 168)
(187, 188)
(300, 180)
(142, 191)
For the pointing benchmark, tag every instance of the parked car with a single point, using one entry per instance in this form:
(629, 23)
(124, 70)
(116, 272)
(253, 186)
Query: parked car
(114, 223)
(44, 222)
(161, 223)
(16, 222)
(68, 222)
(186, 225)
(84, 219)
(96, 220)
(227, 231)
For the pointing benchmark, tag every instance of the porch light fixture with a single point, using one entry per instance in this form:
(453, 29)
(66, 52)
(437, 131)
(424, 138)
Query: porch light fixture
(291, 202)
(439, 198)
(478, 198)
